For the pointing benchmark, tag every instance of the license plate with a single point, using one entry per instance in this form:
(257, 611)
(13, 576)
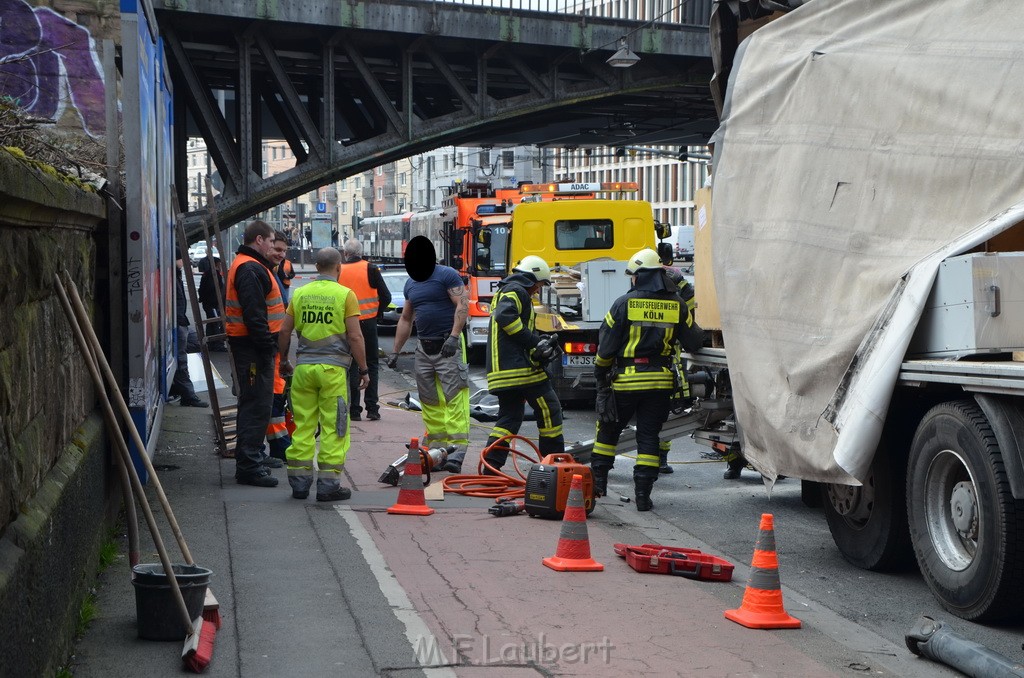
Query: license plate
(578, 360)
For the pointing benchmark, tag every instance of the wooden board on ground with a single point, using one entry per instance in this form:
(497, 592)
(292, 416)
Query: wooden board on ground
(434, 491)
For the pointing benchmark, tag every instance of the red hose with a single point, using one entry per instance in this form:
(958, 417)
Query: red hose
(496, 484)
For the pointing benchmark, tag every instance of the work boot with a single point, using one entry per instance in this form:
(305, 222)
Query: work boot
(733, 472)
(272, 462)
(300, 486)
(665, 468)
(600, 473)
(373, 415)
(340, 494)
(265, 480)
(496, 456)
(642, 487)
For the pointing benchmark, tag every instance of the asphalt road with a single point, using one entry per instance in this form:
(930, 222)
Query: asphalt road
(722, 517)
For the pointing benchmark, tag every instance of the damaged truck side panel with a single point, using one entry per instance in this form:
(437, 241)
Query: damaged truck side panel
(868, 258)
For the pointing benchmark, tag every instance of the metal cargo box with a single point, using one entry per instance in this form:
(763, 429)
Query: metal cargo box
(604, 281)
(976, 306)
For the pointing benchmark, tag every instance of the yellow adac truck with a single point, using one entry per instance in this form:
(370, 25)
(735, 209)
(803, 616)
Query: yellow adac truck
(587, 240)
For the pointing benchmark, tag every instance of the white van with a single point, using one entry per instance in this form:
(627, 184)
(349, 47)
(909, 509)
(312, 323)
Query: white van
(682, 242)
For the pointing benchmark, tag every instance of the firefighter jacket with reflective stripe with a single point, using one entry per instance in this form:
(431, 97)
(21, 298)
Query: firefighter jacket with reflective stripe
(511, 339)
(253, 307)
(639, 333)
(355, 275)
(319, 310)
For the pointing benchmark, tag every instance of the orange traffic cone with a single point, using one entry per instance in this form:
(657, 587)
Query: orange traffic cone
(573, 553)
(411, 501)
(762, 601)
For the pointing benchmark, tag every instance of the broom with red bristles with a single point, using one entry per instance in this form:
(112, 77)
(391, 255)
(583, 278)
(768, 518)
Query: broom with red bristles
(198, 650)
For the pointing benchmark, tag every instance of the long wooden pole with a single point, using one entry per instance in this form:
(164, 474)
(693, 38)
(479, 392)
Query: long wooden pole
(83, 320)
(140, 494)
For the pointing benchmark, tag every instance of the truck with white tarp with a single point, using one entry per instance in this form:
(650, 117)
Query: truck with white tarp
(867, 240)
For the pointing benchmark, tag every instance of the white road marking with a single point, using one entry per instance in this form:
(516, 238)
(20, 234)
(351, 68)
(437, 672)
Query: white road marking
(416, 629)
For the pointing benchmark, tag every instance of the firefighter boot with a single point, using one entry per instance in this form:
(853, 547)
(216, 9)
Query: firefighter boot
(599, 467)
(736, 463)
(496, 456)
(643, 484)
(664, 467)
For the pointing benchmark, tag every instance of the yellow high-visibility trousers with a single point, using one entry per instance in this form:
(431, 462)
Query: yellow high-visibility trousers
(319, 396)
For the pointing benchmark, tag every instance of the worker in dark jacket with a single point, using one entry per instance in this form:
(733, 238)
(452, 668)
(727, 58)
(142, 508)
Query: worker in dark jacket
(636, 344)
(212, 280)
(516, 355)
(254, 312)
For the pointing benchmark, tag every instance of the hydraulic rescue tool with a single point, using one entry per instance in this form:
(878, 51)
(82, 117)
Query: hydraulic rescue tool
(433, 458)
(548, 483)
(509, 507)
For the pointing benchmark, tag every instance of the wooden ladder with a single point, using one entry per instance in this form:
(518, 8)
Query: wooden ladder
(224, 419)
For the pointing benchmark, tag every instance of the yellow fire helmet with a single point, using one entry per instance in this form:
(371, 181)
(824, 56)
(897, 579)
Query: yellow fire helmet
(536, 267)
(644, 260)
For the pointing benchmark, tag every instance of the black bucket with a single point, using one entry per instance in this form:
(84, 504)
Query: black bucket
(156, 610)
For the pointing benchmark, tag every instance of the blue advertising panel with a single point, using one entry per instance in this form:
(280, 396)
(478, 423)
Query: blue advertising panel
(149, 240)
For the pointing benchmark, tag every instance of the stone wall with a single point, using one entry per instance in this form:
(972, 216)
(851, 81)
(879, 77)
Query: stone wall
(55, 496)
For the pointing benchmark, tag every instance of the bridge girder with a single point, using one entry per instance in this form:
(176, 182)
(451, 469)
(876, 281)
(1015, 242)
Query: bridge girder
(346, 98)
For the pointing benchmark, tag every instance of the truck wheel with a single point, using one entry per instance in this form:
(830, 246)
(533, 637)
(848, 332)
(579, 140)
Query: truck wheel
(869, 523)
(967, 530)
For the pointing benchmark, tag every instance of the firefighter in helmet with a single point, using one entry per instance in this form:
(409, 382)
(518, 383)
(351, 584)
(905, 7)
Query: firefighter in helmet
(516, 356)
(636, 346)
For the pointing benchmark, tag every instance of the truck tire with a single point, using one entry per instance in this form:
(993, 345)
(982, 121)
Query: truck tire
(869, 523)
(966, 527)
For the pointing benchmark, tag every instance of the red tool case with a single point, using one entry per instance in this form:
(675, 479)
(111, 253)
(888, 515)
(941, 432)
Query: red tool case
(675, 560)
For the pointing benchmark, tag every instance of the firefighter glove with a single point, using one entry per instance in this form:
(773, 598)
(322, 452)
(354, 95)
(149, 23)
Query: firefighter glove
(545, 351)
(450, 347)
(392, 361)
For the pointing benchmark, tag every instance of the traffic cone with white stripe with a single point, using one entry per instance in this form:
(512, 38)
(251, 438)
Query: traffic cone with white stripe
(411, 500)
(573, 553)
(762, 601)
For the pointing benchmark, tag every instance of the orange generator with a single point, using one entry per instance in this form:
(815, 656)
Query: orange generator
(547, 486)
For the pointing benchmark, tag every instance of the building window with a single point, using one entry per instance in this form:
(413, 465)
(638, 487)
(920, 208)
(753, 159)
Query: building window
(380, 171)
(343, 186)
(508, 160)
(357, 182)
(401, 178)
(344, 206)
(357, 206)
(380, 193)
(485, 159)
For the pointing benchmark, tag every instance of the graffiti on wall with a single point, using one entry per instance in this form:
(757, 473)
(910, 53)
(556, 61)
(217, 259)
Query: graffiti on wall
(48, 63)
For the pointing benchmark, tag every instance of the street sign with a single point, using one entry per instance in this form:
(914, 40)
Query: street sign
(321, 207)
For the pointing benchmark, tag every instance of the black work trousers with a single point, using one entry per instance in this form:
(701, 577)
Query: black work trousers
(651, 410)
(255, 371)
(182, 382)
(512, 409)
(369, 328)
